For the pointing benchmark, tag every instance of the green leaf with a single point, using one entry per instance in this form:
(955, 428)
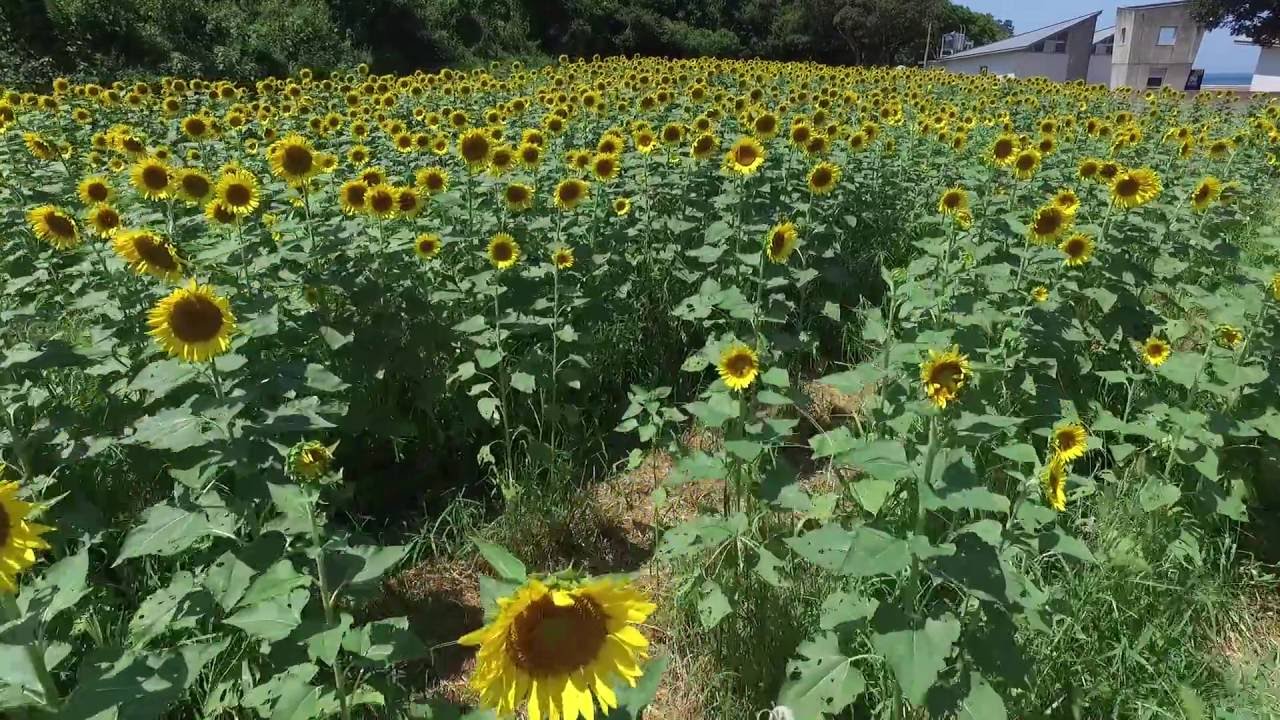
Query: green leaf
(1157, 495)
(163, 376)
(59, 588)
(713, 606)
(523, 382)
(156, 612)
(319, 378)
(1019, 453)
(862, 552)
(363, 563)
(1182, 368)
(227, 579)
(982, 702)
(165, 530)
(507, 566)
(20, 684)
(776, 377)
(272, 619)
(276, 581)
(300, 700)
(385, 642)
(325, 644)
(174, 429)
(822, 681)
(915, 654)
(632, 701)
(845, 606)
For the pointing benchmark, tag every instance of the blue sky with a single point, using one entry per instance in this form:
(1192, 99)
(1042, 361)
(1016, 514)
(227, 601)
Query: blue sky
(1218, 54)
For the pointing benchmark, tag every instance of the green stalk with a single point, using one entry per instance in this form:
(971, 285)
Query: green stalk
(326, 600)
(35, 655)
(922, 483)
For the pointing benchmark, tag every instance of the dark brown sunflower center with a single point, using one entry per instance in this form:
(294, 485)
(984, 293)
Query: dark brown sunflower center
(1202, 194)
(296, 160)
(1047, 223)
(744, 155)
(777, 243)
(435, 182)
(195, 185)
(355, 196)
(97, 192)
(1075, 247)
(529, 154)
(502, 252)
(1003, 148)
(1155, 350)
(154, 252)
(800, 134)
(951, 200)
(106, 218)
(155, 177)
(1127, 187)
(516, 194)
(427, 245)
(60, 225)
(547, 639)
(1026, 162)
(407, 202)
(195, 127)
(381, 202)
(570, 192)
(474, 149)
(948, 375)
(604, 167)
(1067, 440)
(238, 195)
(608, 147)
(739, 364)
(822, 177)
(766, 124)
(195, 319)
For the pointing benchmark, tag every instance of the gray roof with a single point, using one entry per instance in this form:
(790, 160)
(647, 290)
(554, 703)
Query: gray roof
(1145, 6)
(1103, 34)
(1024, 40)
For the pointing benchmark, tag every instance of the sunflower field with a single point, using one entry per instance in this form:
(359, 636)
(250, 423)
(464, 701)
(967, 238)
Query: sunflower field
(691, 389)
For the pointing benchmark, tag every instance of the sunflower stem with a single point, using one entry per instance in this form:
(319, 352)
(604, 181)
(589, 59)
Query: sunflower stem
(35, 655)
(510, 489)
(922, 483)
(326, 600)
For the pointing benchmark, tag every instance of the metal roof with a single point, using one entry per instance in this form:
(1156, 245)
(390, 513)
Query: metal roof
(1103, 34)
(1024, 40)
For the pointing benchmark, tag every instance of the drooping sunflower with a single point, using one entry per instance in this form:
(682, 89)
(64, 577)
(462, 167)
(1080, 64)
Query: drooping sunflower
(1048, 223)
(432, 179)
(151, 178)
(823, 178)
(1054, 480)
(293, 160)
(704, 146)
(39, 148)
(19, 537)
(474, 147)
(570, 193)
(953, 200)
(1068, 200)
(408, 201)
(781, 242)
(1039, 293)
(381, 201)
(1069, 441)
(518, 197)
(1132, 188)
(944, 375)
(238, 192)
(353, 197)
(745, 156)
(621, 206)
(148, 253)
(95, 189)
(1228, 337)
(738, 366)
(309, 461)
(1206, 192)
(504, 251)
(54, 225)
(1089, 168)
(193, 323)
(193, 186)
(427, 245)
(562, 258)
(557, 651)
(1025, 163)
(217, 213)
(1078, 250)
(104, 219)
(1155, 351)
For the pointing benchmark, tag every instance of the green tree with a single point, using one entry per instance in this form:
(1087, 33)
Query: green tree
(1258, 20)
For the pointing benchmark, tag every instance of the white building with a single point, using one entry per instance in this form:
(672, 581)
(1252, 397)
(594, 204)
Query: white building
(1266, 76)
(1059, 52)
(1155, 45)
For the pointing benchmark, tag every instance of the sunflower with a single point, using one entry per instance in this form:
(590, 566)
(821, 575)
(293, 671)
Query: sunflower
(39, 148)
(1089, 168)
(432, 179)
(556, 651)
(1108, 170)
(216, 212)
(562, 258)
(1055, 484)
(1068, 200)
(374, 175)
(745, 157)
(197, 127)
(54, 226)
(427, 245)
(738, 366)
(19, 538)
(237, 191)
(1078, 250)
(1132, 188)
(569, 193)
(1228, 337)
(95, 189)
(704, 146)
(605, 167)
(151, 178)
(644, 140)
(518, 197)
(504, 251)
(1275, 287)
(193, 185)
(475, 147)
(781, 242)
(358, 155)
(104, 219)
(293, 160)
(621, 206)
(953, 201)
(1205, 193)
(944, 374)
(1003, 149)
(1025, 163)
(353, 197)
(1048, 223)
(530, 154)
(309, 460)
(381, 201)
(193, 323)
(1155, 351)
(823, 178)
(1069, 441)
(1039, 293)
(148, 253)
(408, 202)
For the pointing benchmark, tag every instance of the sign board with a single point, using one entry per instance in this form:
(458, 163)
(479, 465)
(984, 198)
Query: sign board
(1194, 79)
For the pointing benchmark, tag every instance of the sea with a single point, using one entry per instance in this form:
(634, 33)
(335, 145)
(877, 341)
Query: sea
(1228, 78)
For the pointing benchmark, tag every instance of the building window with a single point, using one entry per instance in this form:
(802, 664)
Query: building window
(1168, 35)
(1156, 78)
(1122, 35)
(1058, 46)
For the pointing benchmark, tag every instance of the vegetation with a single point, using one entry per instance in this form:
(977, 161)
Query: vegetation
(1253, 19)
(232, 39)
(687, 388)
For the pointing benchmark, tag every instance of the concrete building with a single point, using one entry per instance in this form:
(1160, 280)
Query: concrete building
(1266, 76)
(1150, 46)
(1059, 52)
(1155, 45)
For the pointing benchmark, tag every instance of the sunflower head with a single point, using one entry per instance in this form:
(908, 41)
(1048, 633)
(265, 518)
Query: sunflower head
(562, 258)
(1039, 293)
(823, 178)
(1077, 249)
(621, 206)
(1068, 200)
(1004, 148)
(605, 167)
(54, 225)
(1069, 441)
(237, 191)
(193, 185)
(953, 200)
(704, 146)
(474, 147)
(504, 251)
(148, 253)
(353, 196)
(427, 245)
(1025, 163)
(745, 156)
(104, 219)
(1089, 168)
(944, 375)
(570, 193)
(1048, 223)
(432, 179)
(309, 461)
(1206, 192)
(218, 214)
(1132, 188)
(1155, 351)
(738, 367)
(95, 189)
(1054, 481)
(1228, 337)
(381, 201)
(780, 242)
(293, 159)
(151, 178)
(518, 197)
(193, 323)
(19, 537)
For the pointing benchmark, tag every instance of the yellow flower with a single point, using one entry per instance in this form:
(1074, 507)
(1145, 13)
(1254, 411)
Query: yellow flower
(781, 242)
(1132, 188)
(570, 193)
(1069, 441)
(54, 226)
(427, 245)
(1275, 287)
(150, 177)
(1025, 163)
(704, 146)
(557, 651)
(408, 202)
(518, 196)
(745, 157)
(1228, 337)
(147, 253)
(503, 251)
(1049, 222)
(1089, 168)
(1055, 484)
(309, 461)
(621, 206)
(193, 323)
(953, 201)
(1205, 193)
(475, 147)
(19, 537)
(605, 166)
(95, 189)
(193, 186)
(1155, 351)
(1067, 200)
(823, 178)
(353, 197)
(380, 202)
(104, 219)
(562, 258)
(1003, 149)
(1078, 250)
(293, 160)
(237, 192)
(944, 375)
(738, 366)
